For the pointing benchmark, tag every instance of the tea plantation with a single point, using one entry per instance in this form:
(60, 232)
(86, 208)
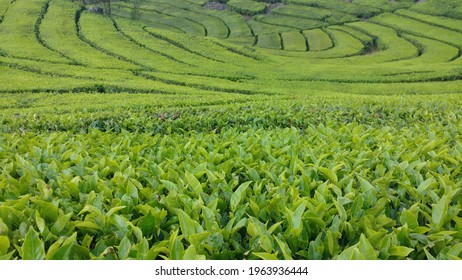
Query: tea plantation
(191, 129)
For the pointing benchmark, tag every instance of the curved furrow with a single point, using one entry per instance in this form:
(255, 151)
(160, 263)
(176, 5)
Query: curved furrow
(358, 11)
(443, 22)
(290, 22)
(61, 30)
(308, 12)
(215, 25)
(368, 39)
(177, 43)
(19, 27)
(173, 11)
(151, 46)
(345, 46)
(245, 53)
(390, 46)
(42, 68)
(40, 36)
(122, 12)
(66, 70)
(22, 78)
(385, 5)
(317, 40)
(153, 40)
(94, 46)
(391, 74)
(191, 26)
(259, 28)
(102, 32)
(207, 83)
(208, 48)
(269, 41)
(446, 8)
(457, 60)
(4, 6)
(432, 51)
(248, 41)
(15, 80)
(414, 27)
(236, 24)
(424, 30)
(294, 41)
(369, 87)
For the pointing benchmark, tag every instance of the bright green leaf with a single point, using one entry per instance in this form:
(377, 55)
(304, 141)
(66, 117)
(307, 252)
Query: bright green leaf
(400, 251)
(4, 244)
(238, 195)
(33, 247)
(194, 183)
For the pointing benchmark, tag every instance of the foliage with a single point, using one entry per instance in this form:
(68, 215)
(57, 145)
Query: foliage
(328, 180)
(247, 7)
(316, 130)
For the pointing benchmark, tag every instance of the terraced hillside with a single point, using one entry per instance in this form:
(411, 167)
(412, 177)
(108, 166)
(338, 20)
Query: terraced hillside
(185, 129)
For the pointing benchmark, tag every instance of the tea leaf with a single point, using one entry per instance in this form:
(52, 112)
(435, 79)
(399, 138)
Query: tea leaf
(285, 250)
(64, 252)
(366, 249)
(188, 226)
(40, 222)
(61, 223)
(194, 183)
(265, 256)
(440, 211)
(400, 251)
(33, 247)
(330, 174)
(4, 244)
(124, 248)
(424, 185)
(407, 217)
(191, 254)
(351, 253)
(238, 195)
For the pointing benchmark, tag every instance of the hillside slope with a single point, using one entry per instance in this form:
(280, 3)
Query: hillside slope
(309, 129)
(304, 44)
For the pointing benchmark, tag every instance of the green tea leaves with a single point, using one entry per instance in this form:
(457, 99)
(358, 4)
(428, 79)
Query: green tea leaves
(366, 249)
(194, 183)
(33, 247)
(61, 223)
(4, 244)
(400, 251)
(265, 256)
(48, 211)
(124, 248)
(439, 211)
(191, 254)
(62, 249)
(303, 178)
(330, 174)
(188, 226)
(409, 218)
(238, 195)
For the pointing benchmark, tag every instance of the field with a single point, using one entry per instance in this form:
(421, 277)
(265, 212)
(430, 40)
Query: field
(306, 129)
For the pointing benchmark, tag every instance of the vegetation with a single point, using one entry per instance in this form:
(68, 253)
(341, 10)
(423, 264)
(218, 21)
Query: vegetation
(164, 130)
(247, 7)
